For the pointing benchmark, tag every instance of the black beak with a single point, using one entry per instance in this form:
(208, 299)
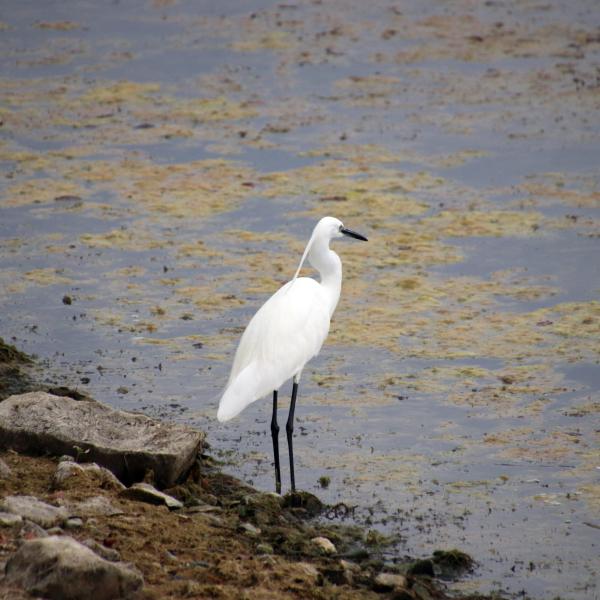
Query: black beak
(356, 236)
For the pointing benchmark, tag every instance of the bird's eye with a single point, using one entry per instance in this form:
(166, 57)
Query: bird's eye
(340, 227)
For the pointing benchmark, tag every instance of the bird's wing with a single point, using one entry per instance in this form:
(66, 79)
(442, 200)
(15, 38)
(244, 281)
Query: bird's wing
(285, 333)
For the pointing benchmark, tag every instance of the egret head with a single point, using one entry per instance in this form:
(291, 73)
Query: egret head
(325, 230)
(330, 227)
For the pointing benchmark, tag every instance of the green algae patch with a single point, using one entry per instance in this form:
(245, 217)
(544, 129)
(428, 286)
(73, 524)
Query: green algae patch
(185, 190)
(584, 409)
(122, 239)
(452, 37)
(16, 371)
(220, 108)
(546, 447)
(392, 467)
(47, 276)
(119, 92)
(489, 223)
(10, 354)
(591, 495)
(575, 320)
(352, 187)
(367, 155)
(39, 191)
(258, 41)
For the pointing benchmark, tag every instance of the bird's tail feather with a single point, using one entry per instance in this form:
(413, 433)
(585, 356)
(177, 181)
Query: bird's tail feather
(249, 385)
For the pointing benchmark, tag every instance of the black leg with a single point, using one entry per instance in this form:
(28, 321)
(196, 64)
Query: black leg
(289, 429)
(275, 435)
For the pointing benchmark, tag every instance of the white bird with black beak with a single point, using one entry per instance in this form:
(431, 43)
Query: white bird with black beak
(286, 332)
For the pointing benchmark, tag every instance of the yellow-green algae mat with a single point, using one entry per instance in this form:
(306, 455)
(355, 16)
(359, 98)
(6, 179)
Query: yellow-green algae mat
(159, 184)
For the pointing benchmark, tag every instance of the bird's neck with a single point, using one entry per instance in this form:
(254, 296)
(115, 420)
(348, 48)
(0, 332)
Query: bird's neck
(329, 265)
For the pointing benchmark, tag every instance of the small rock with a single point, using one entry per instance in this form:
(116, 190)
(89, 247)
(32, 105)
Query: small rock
(249, 529)
(54, 531)
(212, 519)
(350, 571)
(60, 567)
(304, 571)
(325, 545)
(94, 507)
(106, 553)
(5, 470)
(9, 519)
(144, 492)
(264, 548)
(385, 582)
(31, 530)
(74, 523)
(35, 510)
(420, 591)
(348, 565)
(67, 470)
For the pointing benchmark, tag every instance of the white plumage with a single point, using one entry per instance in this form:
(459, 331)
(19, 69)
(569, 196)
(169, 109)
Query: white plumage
(286, 332)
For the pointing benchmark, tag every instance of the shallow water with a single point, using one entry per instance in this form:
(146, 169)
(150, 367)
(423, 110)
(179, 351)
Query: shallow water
(164, 163)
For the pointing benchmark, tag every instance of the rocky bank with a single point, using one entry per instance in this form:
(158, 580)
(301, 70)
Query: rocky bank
(82, 516)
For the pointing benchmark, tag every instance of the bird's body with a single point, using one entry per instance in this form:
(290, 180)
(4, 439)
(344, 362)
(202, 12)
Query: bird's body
(286, 332)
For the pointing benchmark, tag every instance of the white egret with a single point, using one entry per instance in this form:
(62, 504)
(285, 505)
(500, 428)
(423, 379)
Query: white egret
(286, 332)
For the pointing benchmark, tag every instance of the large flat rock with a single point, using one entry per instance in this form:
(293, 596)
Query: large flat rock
(129, 444)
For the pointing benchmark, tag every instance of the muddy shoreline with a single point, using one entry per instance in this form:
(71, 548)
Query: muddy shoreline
(228, 541)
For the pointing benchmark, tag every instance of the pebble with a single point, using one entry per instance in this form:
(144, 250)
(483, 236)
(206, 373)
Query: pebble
(264, 548)
(325, 545)
(74, 523)
(170, 557)
(94, 506)
(389, 581)
(211, 519)
(304, 571)
(348, 565)
(145, 492)
(250, 529)
(9, 519)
